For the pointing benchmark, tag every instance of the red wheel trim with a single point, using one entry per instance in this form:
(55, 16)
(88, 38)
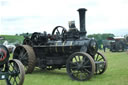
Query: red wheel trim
(5, 55)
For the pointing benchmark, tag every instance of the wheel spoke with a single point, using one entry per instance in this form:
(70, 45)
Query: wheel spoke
(16, 54)
(77, 73)
(86, 66)
(75, 59)
(97, 57)
(16, 81)
(24, 54)
(86, 62)
(14, 66)
(11, 66)
(74, 67)
(86, 70)
(13, 81)
(83, 60)
(58, 31)
(73, 63)
(100, 59)
(10, 78)
(79, 58)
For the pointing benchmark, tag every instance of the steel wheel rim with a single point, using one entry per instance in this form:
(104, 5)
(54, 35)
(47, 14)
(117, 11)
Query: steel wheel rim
(30, 61)
(80, 67)
(16, 71)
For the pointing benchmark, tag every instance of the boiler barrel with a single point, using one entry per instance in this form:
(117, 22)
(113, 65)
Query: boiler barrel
(59, 47)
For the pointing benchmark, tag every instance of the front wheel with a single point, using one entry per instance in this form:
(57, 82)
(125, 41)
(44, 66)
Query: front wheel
(80, 66)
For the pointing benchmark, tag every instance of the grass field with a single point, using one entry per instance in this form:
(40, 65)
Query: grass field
(116, 74)
(12, 38)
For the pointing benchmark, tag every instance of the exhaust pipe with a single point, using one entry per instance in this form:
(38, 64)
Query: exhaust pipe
(82, 12)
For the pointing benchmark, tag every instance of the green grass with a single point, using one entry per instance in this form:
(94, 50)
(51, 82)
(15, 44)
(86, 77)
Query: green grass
(116, 74)
(12, 38)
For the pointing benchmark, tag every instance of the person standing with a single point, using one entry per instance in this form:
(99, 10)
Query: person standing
(104, 48)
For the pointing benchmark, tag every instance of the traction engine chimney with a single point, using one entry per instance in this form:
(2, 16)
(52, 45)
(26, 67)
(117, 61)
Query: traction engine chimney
(82, 12)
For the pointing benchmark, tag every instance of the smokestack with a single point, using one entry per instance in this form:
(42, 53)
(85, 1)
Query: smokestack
(82, 21)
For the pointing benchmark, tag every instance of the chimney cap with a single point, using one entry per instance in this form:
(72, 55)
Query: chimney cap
(84, 9)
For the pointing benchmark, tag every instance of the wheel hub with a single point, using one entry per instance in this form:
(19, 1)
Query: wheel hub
(14, 73)
(1, 55)
(80, 66)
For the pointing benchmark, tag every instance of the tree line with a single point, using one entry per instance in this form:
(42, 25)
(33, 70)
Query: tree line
(100, 37)
(19, 37)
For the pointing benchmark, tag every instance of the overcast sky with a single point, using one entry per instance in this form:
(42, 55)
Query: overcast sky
(103, 16)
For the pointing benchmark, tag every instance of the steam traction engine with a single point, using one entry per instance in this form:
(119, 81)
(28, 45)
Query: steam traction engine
(12, 71)
(118, 44)
(63, 49)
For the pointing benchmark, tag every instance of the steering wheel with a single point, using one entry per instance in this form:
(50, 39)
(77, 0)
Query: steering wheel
(59, 32)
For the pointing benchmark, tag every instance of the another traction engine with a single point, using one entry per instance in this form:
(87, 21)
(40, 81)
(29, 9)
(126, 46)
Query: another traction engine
(12, 71)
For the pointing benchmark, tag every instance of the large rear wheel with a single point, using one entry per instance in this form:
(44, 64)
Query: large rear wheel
(26, 55)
